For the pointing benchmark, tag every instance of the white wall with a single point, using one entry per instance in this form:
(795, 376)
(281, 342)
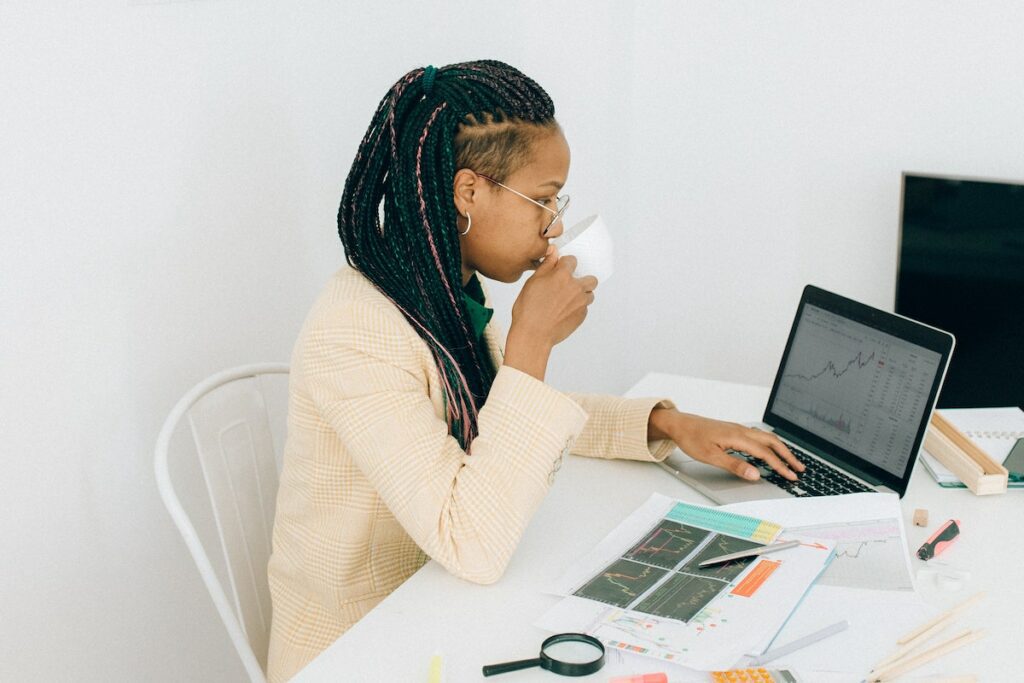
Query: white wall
(769, 144)
(169, 179)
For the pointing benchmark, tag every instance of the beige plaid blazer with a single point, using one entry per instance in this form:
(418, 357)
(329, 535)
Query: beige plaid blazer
(373, 485)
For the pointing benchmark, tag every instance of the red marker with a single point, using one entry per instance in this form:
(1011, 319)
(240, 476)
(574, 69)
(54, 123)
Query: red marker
(940, 540)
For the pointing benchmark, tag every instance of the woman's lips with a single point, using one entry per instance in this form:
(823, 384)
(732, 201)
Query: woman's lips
(539, 260)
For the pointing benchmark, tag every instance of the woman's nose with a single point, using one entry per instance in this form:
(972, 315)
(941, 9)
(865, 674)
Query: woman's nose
(555, 229)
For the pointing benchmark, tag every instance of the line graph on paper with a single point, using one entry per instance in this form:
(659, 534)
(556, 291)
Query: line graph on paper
(621, 583)
(667, 544)
(869, 554)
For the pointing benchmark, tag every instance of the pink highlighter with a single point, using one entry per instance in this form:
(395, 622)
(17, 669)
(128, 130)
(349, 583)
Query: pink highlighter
(641, 678)
(940, 540)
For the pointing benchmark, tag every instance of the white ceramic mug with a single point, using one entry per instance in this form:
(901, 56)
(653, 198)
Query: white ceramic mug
(591, 243)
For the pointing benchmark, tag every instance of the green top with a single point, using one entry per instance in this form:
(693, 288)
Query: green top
(479, 315)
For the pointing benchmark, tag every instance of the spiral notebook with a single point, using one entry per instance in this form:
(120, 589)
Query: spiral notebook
(994, 430)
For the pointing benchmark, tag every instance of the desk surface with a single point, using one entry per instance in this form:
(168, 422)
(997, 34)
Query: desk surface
(470, 625)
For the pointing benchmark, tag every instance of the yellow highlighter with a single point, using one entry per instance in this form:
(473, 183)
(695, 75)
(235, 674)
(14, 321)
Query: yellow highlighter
(436, 673)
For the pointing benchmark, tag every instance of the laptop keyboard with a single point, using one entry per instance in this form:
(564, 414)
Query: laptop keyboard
(817, 479)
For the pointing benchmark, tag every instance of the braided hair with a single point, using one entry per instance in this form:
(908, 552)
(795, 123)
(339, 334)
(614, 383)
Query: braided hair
(397, 219)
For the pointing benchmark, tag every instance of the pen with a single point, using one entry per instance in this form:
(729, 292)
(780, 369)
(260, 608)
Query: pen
(753, 552)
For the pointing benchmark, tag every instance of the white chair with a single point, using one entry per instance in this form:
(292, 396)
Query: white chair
(231, 429)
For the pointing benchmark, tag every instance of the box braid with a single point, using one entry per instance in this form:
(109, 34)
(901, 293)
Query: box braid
(481, 115)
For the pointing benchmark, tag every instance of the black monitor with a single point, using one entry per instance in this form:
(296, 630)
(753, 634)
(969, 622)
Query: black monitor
(961, 269)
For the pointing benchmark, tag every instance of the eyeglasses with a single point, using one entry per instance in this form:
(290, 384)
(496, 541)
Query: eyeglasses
(561, 203)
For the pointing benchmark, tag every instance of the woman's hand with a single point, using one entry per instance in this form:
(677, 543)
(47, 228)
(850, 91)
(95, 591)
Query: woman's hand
(553, 303)
(706, 440)
(550, 307)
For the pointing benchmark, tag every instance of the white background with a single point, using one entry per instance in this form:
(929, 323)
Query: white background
(169, 181)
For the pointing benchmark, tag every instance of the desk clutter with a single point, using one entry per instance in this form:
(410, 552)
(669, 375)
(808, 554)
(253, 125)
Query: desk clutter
(648, 590)
(911, 654)
(971, 447)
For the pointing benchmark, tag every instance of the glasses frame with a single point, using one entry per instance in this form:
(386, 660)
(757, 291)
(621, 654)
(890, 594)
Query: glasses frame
(558, 200)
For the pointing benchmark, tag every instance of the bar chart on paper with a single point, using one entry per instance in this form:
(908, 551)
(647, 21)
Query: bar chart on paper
(741, 526)
(869, 554)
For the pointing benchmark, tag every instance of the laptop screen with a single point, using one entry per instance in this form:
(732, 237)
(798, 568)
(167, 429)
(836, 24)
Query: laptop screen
(859, 383)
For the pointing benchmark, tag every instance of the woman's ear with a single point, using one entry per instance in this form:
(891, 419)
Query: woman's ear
(466, 190)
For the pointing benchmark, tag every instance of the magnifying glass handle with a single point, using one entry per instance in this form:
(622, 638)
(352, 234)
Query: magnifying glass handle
(492, 669)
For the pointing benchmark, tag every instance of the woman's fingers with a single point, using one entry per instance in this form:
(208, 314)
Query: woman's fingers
(550, 260)
(567, 263)
(740, 468)
(769, 449)
(775, 443)
(589, 283)
(713, 441)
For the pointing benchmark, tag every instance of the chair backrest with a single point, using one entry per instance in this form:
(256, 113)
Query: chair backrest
(231, 428)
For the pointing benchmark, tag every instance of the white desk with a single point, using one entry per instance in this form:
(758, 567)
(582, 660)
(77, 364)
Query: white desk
(470, 625)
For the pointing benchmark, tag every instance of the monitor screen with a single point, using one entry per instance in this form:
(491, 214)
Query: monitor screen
(961, 269)
(857, 387)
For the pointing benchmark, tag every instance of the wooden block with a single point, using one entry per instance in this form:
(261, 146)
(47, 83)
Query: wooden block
(970, 464)
(920, 517)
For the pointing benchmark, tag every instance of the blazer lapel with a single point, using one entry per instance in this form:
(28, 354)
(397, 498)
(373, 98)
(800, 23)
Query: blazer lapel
(493, 334)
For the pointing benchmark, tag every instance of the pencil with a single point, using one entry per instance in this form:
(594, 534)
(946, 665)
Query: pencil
(942, 617)
(902, 666)
(922, 633)
(915, 642)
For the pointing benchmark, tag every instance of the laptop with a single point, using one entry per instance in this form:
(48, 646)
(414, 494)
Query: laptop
(852, 399)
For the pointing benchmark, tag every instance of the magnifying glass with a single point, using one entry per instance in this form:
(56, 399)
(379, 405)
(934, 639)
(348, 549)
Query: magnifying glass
(566, 654)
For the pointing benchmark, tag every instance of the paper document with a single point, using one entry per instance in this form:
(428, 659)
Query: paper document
(641, 589)
(867, 528)
(869, 576)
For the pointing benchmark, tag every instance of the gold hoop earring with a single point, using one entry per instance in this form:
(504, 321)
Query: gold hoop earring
(469, 225)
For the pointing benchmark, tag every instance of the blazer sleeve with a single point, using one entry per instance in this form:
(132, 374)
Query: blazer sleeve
(467, 512)
(617, 428)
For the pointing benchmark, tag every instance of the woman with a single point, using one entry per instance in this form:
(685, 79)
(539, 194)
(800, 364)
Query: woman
(412, 433)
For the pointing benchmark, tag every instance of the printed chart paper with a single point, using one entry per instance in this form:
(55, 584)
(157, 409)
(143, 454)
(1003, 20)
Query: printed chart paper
(871, 546)
(641, 589)
(869, 576)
